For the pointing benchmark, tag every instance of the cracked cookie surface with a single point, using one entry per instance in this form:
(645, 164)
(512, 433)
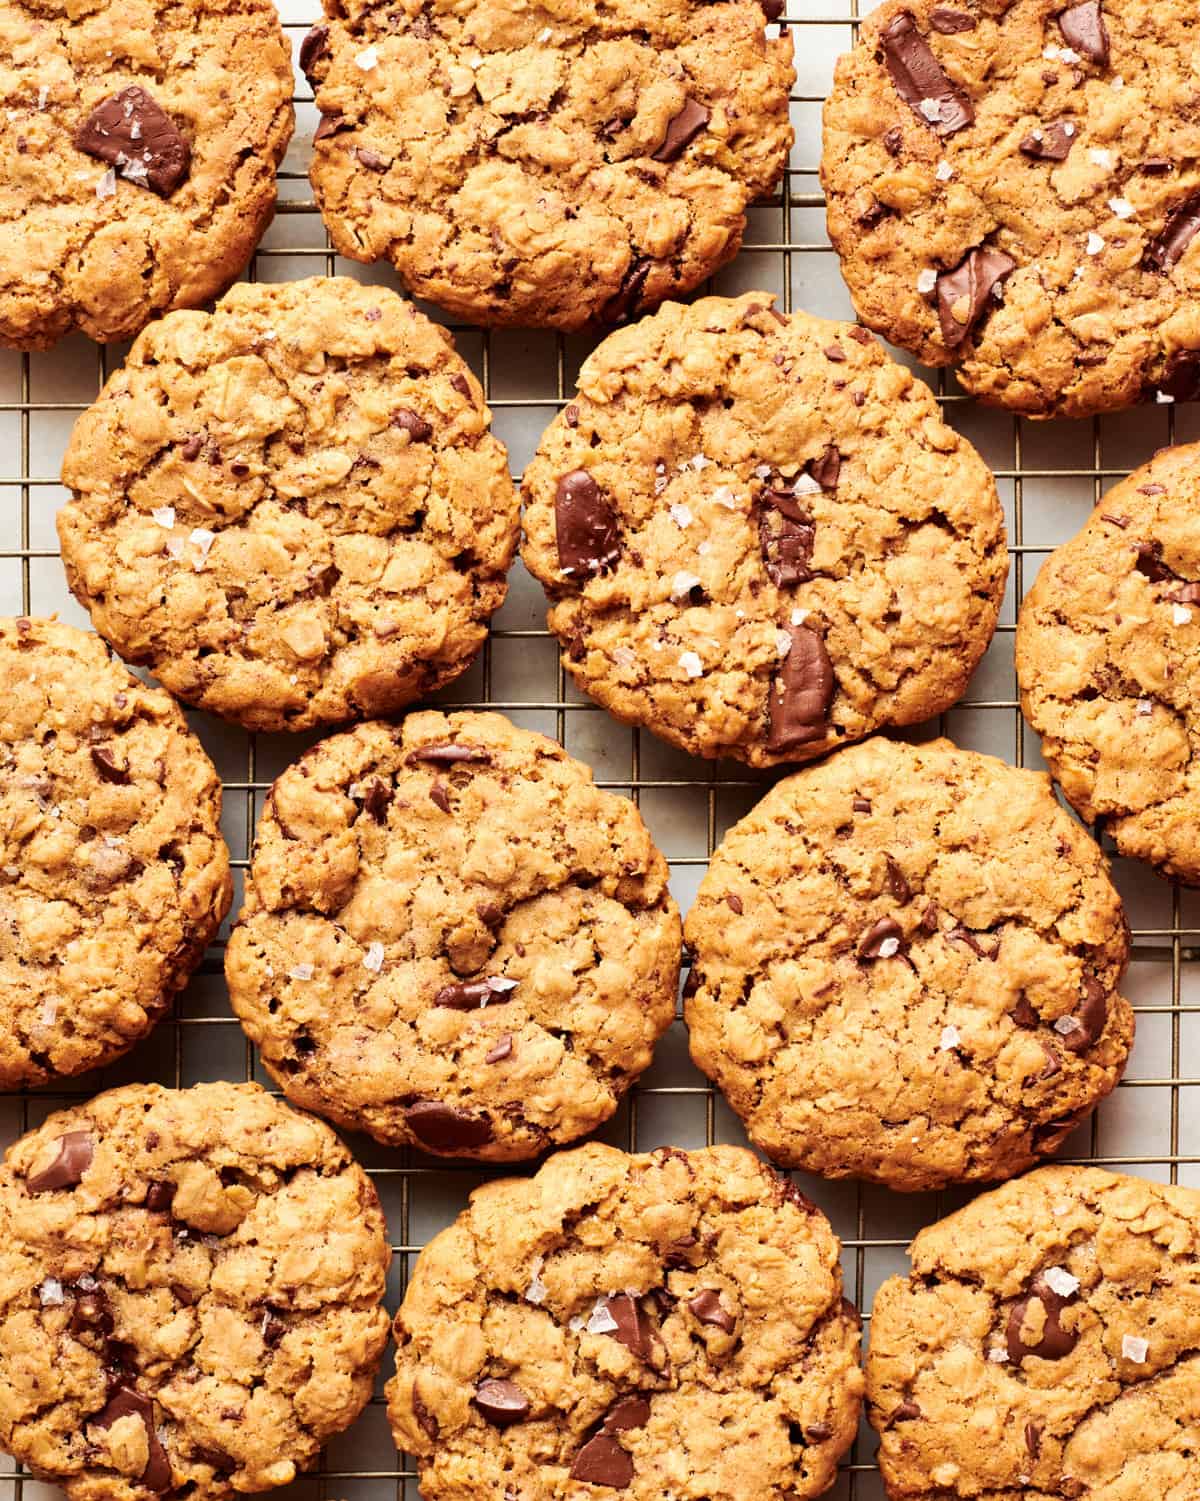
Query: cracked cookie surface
(113, 874)
(1108, 658)
(191, 1284)
(292, 509)
(1044, 1346)
(452, 938)
(905, 968)
(758, 536)
(138, 149)
(666, 1324)
(551, 165)
(1014, 188)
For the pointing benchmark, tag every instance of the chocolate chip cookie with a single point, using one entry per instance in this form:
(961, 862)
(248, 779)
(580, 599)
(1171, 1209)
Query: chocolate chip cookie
(113, 874)
(758, 537)
(551, 165)
(905, 968)
(138, 148)
(1044, 1345)
(292, 509)
(191, 1293)
(452, 938)
(1013, 187)
(1108, 664)
(668, 1324)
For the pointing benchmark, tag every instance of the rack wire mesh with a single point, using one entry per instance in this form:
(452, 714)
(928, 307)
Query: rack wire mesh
(1050, 475)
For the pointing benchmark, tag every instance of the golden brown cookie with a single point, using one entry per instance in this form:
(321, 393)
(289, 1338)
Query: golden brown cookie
(555, 164)
(669, 1324)
(758, 536)
(138, 148)
(452, 938)
(292, 509)
(113, 874)
(1108, 658)
(905, 968)
(191, 1284)
(1013, 187)
(1044, 1346)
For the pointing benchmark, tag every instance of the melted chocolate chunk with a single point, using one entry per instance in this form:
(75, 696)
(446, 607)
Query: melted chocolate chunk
(1083, 28)
(1092, 1016)
(500, 1049)
(1050, 143)
(602, 1461)
(159, 1196)
(1181, 378)
(682, 130)
(827, 468)
(74, 1158)
(872, 942)
(973, 281)
(920, 81)
(948, 21)
(893, 141)
(134, 134)
(466, 995)
(634, 1328)
(630, 1412)
(1181, 228)
(896, 882)
(1023, 1014)
(377, 800)
(92, 1313)
(709, 1309)
(799, 698)
(786, 534)
(110, 769)
(906, 1412)
(331, 125)
(449, 753)
(589, 539)
(1150, 563)
(501, 1402)
(734, 902)
(418, 430)
(1055, 1342)
(376, 163)
(1033, 1440)
(444, 1128)
(314, 45)
(190, 448)
(126, 1402)
(626, 301)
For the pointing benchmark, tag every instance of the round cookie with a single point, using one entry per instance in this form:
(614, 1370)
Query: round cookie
(191, 1293)
(138, 148)
(667, 1324)
(114, 877)
(1013, 187)
(905, 968)
(758, 537)
(1044, 1345)
(292, 509)
(1108, 658)
(452, 938)
(553, 165)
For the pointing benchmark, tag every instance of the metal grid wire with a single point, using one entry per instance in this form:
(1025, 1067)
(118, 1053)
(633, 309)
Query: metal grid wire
(1049, 476)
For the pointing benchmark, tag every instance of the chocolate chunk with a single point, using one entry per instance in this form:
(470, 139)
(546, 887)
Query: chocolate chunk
(444, 1128)
(589, 539)
(132, 133)
(692, 984)
(972, 281)
(426, 1420)
(872, 942)
(1023, 1014)
(331, 125)
(377, 799)
(190, 448)
(92, 1313)
(874, 213)
(108, 766)
(896, 883)
(734, 903)
(861, 805)
(1083, 28)
(785, 538)
(602, 1461)
(817, 1433)
(418, 430)
(500, 1049)
(184, 1294)
(893, 140)
(1033, 1440)
(920, 81)
(126, 1402)
(1186, 594)
(634, 1329)
(1091, 1016)
(906, 1412)
(1156, 166)
(1050, 143)
(1181, 378)
(273, 1329)
(502, 1403)
(1055, 1342)
(376, 163)
(798, 700)
(1181, 228)
(681, 130)
(465, 995)
(959, 934)
(73, 1160)
(773, 9)
(708, 1308)
(159, 1196)
(630, 1412)
(827, 468)
(625, 303)
(948, 21)
(449, 753)
(315, 44)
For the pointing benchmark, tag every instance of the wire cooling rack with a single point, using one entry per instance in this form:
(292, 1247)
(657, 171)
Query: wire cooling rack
(1050, 476)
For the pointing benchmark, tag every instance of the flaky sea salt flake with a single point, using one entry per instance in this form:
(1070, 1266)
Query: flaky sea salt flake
(373, 959)
(1134, 1348)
